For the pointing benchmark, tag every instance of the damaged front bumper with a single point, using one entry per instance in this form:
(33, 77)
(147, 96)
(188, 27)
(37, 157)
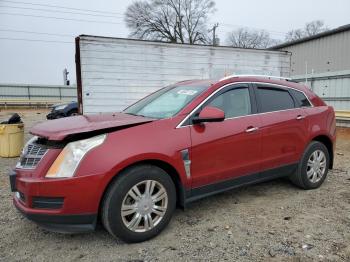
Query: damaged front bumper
(45, 203)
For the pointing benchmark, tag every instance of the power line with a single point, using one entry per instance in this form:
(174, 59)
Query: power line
(63, 7)
(96, 15)
(62, 18)
(59, 11)
(235, 25)
(36, 33)
(36, 40)
(40, 33)
(270, 31)
(96, 11)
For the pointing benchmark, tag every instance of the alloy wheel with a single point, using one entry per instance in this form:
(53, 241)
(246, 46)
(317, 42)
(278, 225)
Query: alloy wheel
(316, 166)
(144, 206)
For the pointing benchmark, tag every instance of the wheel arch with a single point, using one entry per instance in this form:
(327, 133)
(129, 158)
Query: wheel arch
(71, 110)
(168, 168)
(324, 139)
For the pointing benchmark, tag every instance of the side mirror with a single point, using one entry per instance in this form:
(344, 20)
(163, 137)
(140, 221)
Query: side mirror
(209, 114)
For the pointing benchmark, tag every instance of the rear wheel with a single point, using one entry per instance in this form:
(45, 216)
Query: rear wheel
(139, 204)
(313, 167)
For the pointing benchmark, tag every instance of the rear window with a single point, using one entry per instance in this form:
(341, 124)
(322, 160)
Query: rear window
(274, 99)
(300, 98)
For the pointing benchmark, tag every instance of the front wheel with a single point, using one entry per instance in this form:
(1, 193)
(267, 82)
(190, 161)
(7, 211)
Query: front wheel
(73, 112)
(313, 167)
(139, 203)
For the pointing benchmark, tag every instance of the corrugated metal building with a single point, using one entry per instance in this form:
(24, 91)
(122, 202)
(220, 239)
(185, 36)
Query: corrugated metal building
(35, 95)
(323, 62)
(37, 92)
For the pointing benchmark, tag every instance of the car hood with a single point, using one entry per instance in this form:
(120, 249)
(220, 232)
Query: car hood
(61, 128)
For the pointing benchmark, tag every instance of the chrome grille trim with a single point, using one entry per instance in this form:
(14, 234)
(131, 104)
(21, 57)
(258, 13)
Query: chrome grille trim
(31, 156)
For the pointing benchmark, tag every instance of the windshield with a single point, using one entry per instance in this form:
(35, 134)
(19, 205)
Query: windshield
(166, 102)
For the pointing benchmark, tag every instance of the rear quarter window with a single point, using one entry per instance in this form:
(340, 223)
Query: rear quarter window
(300, 98)
(274, 99)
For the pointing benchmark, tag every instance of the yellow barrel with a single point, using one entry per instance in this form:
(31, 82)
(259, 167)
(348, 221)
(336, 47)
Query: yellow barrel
(11, 139)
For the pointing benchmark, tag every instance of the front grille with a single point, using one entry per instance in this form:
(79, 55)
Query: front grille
(31, 156)
(47, 202)
(36, 150)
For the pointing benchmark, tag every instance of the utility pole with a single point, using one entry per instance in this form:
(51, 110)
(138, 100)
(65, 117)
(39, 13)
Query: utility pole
(65, 77)
(214, 33)
(305, 72)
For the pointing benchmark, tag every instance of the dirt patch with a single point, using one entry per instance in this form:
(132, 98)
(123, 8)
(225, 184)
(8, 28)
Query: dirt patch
(273, 221)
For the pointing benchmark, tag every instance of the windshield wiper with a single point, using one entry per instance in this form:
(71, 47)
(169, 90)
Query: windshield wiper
(134, 114)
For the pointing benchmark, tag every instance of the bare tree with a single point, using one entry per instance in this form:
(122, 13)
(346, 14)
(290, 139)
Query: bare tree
(178, 21)
(294, 35)
(310, 29)
(315, 27)
(250, 38)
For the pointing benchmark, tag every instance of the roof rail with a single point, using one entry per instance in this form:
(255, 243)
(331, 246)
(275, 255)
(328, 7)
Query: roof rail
(264, 76)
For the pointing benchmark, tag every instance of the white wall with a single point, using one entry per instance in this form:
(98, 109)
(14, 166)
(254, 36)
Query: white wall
(117, 72)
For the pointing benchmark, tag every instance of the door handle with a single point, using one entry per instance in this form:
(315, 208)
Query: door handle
(300, 117)
(251, 129)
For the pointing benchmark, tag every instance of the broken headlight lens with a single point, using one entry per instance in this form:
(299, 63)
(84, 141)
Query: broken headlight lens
(68, 160)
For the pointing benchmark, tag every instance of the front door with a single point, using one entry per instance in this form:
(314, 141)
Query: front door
(228, 149)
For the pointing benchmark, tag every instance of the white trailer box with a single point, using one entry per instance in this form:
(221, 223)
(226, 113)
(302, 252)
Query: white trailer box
(113, 73)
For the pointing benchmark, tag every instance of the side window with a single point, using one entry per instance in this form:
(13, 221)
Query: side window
(301, 99)
(235, 102)
(274, 99)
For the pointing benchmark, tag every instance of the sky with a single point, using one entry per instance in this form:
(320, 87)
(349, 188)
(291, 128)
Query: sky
(36, 45)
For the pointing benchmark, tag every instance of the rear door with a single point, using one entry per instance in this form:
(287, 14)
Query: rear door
(283, 126)
(228, 149)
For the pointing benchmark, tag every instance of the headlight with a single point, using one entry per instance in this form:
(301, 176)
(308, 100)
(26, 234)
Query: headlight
(68, 160)
(60, 107)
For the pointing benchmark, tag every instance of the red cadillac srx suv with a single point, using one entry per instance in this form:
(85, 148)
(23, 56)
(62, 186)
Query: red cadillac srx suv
(195, 138)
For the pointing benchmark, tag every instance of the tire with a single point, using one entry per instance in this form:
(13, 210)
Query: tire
(305, 176)
(72, 113)
(117, 196)
(59, 116)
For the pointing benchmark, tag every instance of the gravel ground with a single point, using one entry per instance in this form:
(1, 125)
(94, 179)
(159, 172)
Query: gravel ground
(273, 221)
